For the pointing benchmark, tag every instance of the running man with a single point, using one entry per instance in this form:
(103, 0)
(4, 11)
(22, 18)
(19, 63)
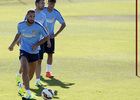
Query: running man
(52, 15)
(30, 32)
(40, 17)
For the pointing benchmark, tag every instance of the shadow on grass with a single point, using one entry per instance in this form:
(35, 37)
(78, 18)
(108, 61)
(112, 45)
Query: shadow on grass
(56, 82)
(27, 99)
(52, 82)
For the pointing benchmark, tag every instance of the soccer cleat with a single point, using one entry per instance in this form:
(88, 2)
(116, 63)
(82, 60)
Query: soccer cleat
(29, 96)
(18, 80)
(40, 84)
(21, 91)
(48, 74)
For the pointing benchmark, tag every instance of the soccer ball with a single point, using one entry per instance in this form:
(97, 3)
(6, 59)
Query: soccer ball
(47, 94)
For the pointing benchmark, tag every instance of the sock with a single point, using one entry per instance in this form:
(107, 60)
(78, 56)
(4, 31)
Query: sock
(18, 74)
(22, 86)
(28, 91)
(48, 67)
(37, 80)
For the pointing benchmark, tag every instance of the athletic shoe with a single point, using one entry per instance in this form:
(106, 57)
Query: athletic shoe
(40, 84)
(21, 91)
(28, 96)
(48, 74)
(18, 80)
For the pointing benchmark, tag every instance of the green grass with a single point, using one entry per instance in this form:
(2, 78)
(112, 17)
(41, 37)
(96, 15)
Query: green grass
(94, 57)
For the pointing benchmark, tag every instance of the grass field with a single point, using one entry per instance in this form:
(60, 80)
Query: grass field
(94, 57)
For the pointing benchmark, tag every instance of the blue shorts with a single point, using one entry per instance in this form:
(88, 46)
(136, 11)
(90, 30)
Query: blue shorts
(41, 52)
(49, 50)
(29, 57)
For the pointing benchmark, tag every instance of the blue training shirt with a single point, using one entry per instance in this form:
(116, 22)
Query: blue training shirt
(31, 35)
(41, 18)
(51, 17)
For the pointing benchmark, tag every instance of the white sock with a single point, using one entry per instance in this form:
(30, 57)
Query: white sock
(48, 67)
(28, 91)
(22, 86)
(18, 74)
(37, 80)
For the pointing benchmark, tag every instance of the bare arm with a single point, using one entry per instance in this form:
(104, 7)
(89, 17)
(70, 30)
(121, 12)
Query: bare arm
(16, 39)
(60, 29)
(47, 29)
(49, 42)
(40, 42)
(19, 41)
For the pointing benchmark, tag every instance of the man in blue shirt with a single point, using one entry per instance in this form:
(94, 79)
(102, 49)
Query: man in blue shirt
(41, 18)
(52, 15)
(30, 31)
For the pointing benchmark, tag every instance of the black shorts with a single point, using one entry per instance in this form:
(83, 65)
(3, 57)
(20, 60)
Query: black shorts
(41, 52)
(49, 50)
(29, 57)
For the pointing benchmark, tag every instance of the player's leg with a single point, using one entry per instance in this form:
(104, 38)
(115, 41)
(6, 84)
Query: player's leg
(20, 70)
(38, 67)
(38, 70)
(25, 76)
(27, 94)
(18, 76)
(49, 65)
(49, 61)
(50, 52)
(32, 63)
(32, 67)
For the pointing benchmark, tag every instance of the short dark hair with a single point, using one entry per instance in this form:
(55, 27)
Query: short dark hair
(54, 1)
(37, 1)
(30, 11)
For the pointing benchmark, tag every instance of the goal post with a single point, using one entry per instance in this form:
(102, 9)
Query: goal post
(136, 37)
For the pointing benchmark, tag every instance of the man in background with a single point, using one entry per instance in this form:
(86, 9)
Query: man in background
(51, 16)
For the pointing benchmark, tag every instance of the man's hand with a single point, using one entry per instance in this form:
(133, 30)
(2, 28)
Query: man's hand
(60, 29)
(11, 48)
(34, 47)
(49, 44)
